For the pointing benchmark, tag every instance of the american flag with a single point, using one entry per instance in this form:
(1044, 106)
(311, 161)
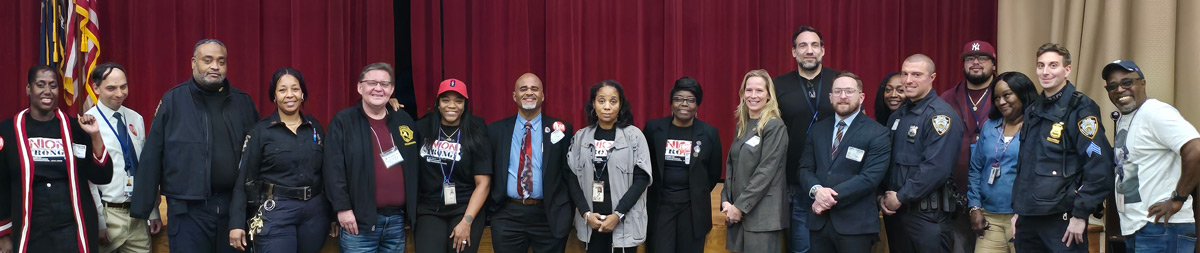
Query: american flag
(82, 30)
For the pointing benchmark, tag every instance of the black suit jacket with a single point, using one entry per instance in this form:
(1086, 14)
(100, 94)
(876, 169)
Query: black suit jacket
(554, 170)
(854, 181)
(797, 113)
(703, 174)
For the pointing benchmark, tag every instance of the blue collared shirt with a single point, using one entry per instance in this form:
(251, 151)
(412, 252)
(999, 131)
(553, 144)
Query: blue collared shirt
(987, 151)
(514, 156)
(838, 118)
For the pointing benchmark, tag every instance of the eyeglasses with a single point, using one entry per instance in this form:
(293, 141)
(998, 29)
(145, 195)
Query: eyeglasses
(373, 83)
(682, 100)
(1125, 83)
(977, 57)
(846, 92)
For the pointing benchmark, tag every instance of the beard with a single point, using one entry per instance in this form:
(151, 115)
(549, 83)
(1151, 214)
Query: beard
(977, 79)
(528, 106)
(809, 66)
(210, 84)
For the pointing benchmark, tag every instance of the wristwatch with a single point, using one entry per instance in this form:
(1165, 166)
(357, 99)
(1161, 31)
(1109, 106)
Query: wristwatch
(619, 215)
(1176, 197)
(812, 192)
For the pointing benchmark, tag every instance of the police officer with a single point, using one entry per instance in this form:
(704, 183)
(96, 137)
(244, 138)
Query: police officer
(1065, 169)
(925, 132)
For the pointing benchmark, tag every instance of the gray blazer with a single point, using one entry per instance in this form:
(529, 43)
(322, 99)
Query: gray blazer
(754, 177)
(629, 152)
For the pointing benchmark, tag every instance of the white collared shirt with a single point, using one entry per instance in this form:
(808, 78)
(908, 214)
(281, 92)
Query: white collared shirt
(114, 192)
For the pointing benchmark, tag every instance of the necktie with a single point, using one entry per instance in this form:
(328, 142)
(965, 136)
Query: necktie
(525, 169)
(131, 161)
(837, 139)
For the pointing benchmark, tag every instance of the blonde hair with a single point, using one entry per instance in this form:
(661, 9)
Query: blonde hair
(769, 111)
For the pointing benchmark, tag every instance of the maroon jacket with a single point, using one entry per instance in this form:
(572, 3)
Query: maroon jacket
(958, 99)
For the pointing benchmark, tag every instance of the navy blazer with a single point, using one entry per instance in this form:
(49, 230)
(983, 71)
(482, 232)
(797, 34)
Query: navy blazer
(703, 173)
(854, 181)
(554, 170)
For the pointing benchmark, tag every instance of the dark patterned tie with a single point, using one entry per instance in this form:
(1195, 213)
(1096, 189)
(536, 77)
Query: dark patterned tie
(525, 169)
(131, 161)
(837, 139)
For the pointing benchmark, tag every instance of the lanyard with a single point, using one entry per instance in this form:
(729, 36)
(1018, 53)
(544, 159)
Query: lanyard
(125, 147)
(377, 141)
(1000, 142)
(811, 105)
(445, 174)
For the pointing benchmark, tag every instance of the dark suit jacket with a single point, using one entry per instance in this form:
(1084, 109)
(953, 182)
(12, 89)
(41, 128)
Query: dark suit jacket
(554, 170)
(703, 173)
(854, 181)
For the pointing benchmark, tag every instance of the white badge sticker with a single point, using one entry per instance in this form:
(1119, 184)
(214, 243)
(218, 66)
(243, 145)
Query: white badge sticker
(391, 157)
(855, 154)
(448, 194)
(753, 141)
(598, 191)
(679, 151)
(556, 136)
(895, 124)
(80, 151)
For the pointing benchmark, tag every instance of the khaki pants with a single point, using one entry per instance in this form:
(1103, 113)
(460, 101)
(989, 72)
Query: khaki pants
(126, 235)
(996, 239)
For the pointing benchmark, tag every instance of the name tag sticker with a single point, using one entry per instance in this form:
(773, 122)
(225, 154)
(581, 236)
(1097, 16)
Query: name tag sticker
(753, 141)
(80, 151)
(855, 154)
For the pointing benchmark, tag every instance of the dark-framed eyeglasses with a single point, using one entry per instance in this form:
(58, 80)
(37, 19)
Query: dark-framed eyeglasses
(1125, 83)
(688, 100)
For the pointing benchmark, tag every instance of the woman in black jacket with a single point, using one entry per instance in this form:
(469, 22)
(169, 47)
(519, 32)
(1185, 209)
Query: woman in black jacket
(687, 164)
(454, 176)
(280, 173)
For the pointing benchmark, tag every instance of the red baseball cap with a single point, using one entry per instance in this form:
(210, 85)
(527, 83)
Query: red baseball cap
(979, 47)
(454, 85)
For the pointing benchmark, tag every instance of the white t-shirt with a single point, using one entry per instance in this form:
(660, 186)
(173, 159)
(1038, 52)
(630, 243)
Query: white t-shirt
(1149, 159)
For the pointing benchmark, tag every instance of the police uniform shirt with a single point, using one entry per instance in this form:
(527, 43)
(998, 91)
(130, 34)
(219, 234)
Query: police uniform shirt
(1066, 163)
(925, 146)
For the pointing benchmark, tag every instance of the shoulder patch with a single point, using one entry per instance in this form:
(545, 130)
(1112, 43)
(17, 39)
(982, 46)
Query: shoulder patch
(941, 123)
(1087, 126)
(157, 106)
(245, 143)
(407, 134)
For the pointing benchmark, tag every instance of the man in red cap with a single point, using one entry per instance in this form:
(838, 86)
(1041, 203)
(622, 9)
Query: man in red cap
(971, 99)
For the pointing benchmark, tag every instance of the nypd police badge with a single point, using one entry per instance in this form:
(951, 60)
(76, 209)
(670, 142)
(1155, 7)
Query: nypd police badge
(1087, 126)
(941, 123)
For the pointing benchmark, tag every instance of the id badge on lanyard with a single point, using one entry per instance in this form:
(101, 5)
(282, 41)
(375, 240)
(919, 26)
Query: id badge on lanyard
(448, 194)
(391, 157)
(129, 187)
(598, 191)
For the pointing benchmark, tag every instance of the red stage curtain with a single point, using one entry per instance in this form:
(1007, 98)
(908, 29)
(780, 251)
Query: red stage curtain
(647, 45)
(328, 41)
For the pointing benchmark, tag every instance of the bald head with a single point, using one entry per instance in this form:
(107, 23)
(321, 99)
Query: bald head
(917, 75)
(921, 58)
(528, 94)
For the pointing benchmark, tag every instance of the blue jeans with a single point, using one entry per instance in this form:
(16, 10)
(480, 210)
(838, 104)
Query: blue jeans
(798, 237)
(1171, 237)
(386, 236)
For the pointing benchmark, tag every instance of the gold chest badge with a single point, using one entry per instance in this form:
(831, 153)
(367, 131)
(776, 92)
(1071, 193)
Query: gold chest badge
(407, 134)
